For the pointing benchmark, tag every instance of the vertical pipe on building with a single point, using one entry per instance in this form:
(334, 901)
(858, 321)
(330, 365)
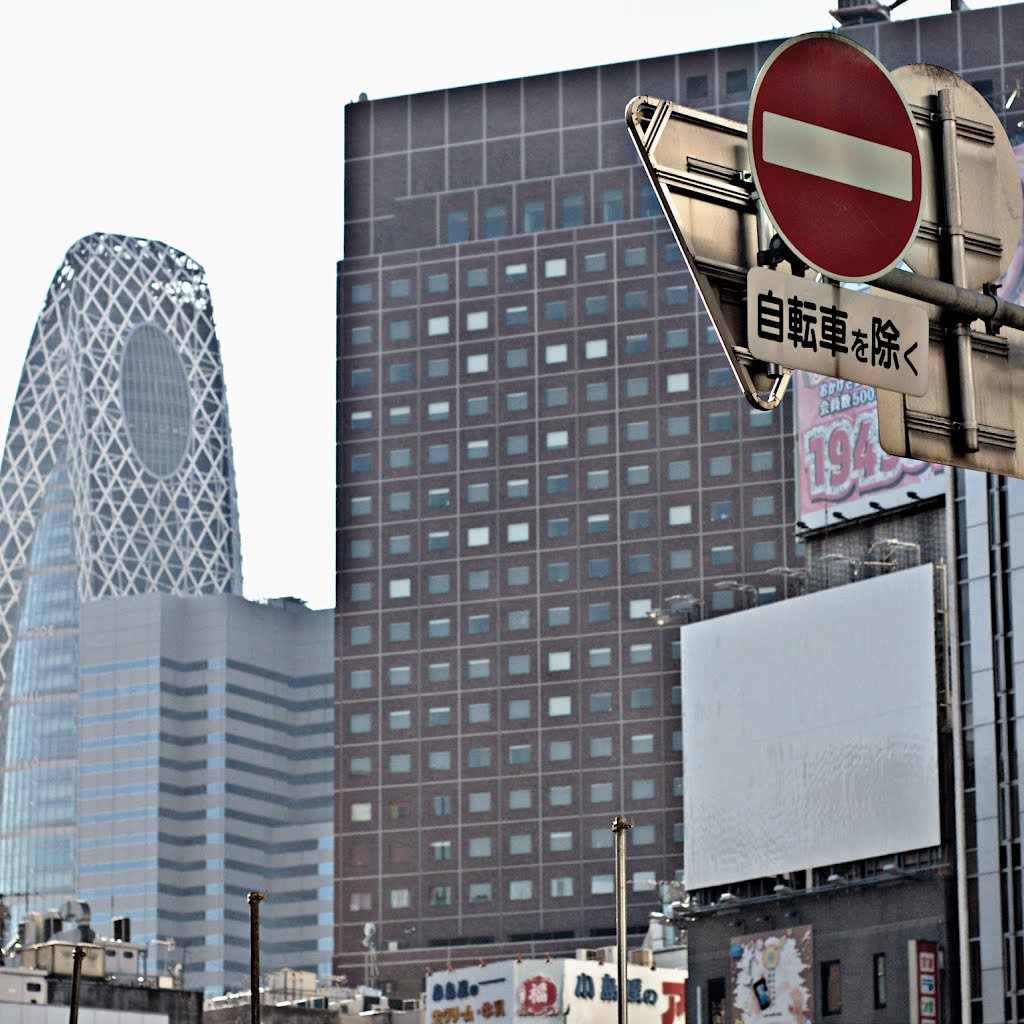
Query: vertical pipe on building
(956, 726)
(254, 955)
(620, 826)
(76, 982)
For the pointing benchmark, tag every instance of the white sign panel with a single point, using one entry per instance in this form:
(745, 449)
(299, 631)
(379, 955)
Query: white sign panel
(853, 335)
(831, 757)
(577, 991)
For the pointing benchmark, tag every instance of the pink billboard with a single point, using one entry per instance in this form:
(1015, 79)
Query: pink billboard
(842, 468)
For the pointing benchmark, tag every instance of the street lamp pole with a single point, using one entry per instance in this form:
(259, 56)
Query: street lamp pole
(620, 826)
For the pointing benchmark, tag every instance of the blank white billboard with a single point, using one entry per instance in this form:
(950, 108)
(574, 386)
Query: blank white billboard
(810, 734)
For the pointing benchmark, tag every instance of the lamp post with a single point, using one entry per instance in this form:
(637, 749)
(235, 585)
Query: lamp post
(620, 826)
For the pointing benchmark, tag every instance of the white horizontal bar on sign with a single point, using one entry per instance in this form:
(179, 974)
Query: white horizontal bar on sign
(847, 159)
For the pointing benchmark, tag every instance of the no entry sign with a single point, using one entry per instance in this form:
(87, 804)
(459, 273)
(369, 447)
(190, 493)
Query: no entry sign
(835, 157)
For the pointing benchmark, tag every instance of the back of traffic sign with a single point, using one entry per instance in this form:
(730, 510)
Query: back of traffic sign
(835, 156)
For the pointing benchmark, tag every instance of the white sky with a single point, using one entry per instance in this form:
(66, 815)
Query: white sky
(216, 127)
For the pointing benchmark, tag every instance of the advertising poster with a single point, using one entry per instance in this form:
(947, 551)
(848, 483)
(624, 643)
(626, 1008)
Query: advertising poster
(841, 465)
(771, 977)
(566, 991)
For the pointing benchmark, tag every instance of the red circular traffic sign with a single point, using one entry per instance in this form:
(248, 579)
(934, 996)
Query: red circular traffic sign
(835, 156)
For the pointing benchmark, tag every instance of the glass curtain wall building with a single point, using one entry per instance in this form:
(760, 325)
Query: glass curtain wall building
(116, 479)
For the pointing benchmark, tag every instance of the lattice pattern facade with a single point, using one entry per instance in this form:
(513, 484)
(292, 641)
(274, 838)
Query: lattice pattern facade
(117, 479)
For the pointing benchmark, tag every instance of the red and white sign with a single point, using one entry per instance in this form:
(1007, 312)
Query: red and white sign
(835, 157)
(924, 982)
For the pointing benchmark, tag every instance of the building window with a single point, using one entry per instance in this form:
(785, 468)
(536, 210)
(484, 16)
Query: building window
(559, 661)
(720, 422)
(602, 885)
(560, 842)
(636, 257)
(399, 899)
(696, 88)
(878, 973)
(399, 720)
(642, 744)
(457, 227)
(440, 895)
(516, 273)
(561, 886)
(480, 846)
(520, 753)
(478, 757)
(831, 991)
(556, 309)
(612, 207)
(479, 892)
(533, 215)
(601, 792)
(437, 284)
(642, 789)
(680, 515)
(596, 348)
(520, 889)
(495, 221)
(560, 750)
(520, 799)
(600, 746)
(560, 796)
(520, 843)
(720, 511)
(722, 554)
(720, 465)
(437, 368)
(478, 536)
(736, 81)
(573, 211)
(479, 668)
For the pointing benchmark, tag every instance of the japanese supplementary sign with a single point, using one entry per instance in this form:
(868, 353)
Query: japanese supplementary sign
(835, 156)
(854, 335)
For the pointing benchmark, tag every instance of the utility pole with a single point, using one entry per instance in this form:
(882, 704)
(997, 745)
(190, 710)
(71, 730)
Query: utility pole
(76, 982)
(254, 955)
(620, 826)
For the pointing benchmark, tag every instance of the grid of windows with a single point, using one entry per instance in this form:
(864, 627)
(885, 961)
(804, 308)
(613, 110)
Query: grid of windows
(531, 441)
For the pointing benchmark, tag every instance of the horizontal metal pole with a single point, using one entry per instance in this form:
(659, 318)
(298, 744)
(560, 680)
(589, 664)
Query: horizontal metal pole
(959, 301)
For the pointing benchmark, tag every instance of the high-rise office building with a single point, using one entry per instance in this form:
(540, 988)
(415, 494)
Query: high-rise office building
(539, 442)
(117, 479)
(205, 773)
(152, 762)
